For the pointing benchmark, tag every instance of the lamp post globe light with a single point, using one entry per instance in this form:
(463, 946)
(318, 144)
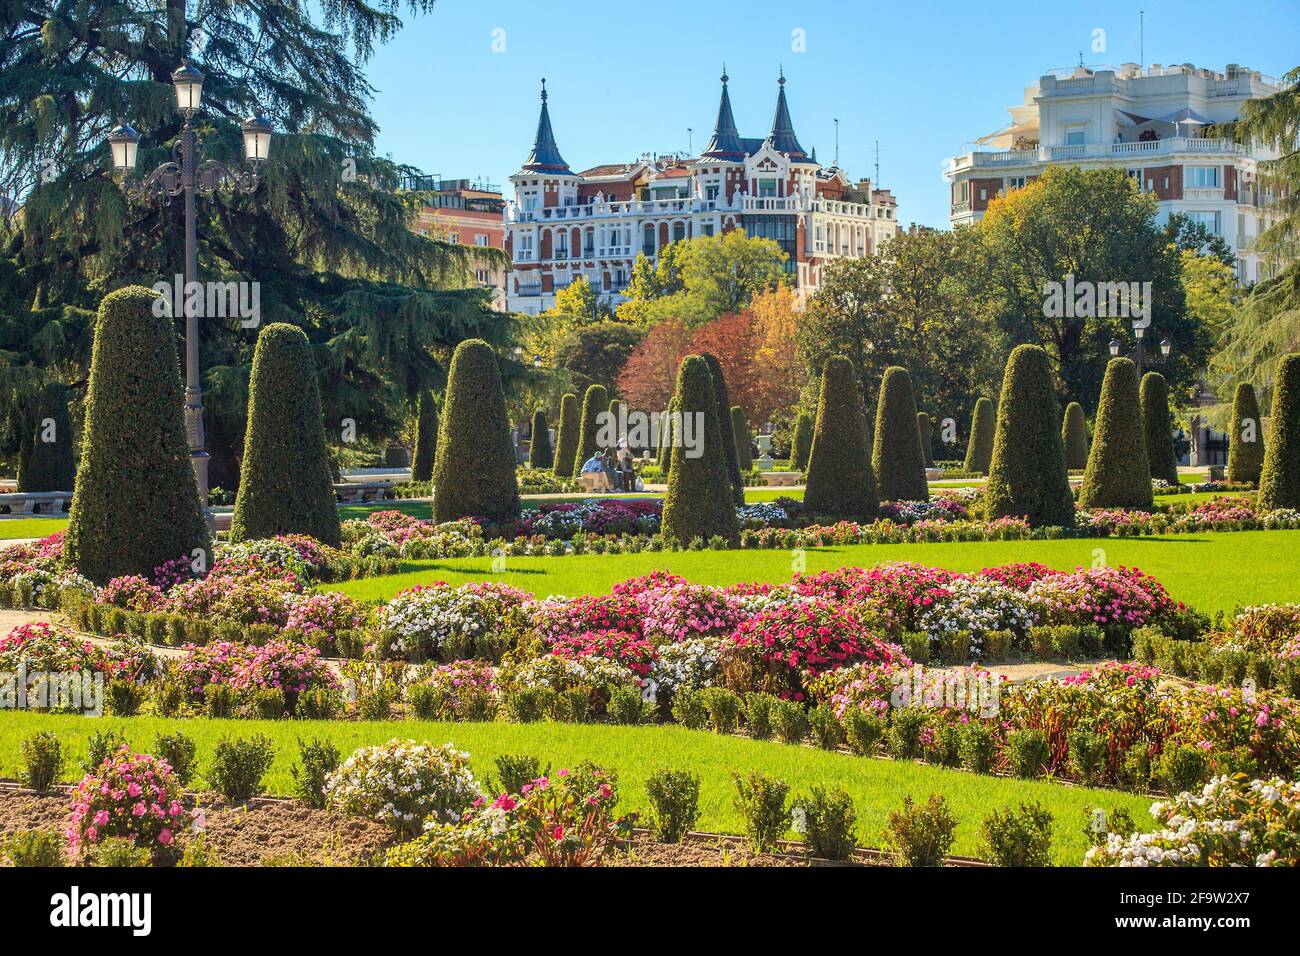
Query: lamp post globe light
(186, 175)
(1139, 353)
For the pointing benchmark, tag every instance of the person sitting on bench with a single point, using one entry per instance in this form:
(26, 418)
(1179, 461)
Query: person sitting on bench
(592, 474)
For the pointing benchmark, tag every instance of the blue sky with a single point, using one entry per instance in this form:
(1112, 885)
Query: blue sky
(923, 78)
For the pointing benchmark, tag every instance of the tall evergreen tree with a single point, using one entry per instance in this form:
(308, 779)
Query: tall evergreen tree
(744, 443)
(594, 404)
(925, 434)
(1074, 435)
(698, 503)
(426, 438)
(665, 440)
(801, 441)
(49, 461)
(983, 428)
(1279, 480)
(728, 433)
(566, 437)
(539, 447)
(840, 483)
(1159, 426)
(896, 457)
(1118, 474)
(1245, 437)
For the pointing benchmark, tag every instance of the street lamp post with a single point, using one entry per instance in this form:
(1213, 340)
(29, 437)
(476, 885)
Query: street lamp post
(187, 174)
(1139, 354)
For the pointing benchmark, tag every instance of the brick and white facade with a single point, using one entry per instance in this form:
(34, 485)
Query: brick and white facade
(467, 213)
(593, 223)
(1150, 123)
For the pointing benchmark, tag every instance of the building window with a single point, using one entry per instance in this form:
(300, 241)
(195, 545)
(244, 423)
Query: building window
(710, 192)
(783, 230)
(766, 188)
(453, 237)
(1203, 177)
(1208, 219)
(1074, 135)
(480, 239)
(1015, 182)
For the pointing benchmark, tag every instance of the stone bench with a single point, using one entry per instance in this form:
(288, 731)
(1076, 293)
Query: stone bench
(594, 481)
(35, 502)
(782, 479)
(358, 491)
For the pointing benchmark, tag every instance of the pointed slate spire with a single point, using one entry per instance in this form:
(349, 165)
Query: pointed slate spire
(545, 157)
(725, 143)
(782, 136)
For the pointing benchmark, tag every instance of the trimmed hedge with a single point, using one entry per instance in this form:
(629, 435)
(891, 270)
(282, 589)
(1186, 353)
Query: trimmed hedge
(925, 434)
(724, 426)
(539, 446)
(665, 440)
(49, 465)
(896, 456)
(1159, 426)
(426, 438)
(1074, 435)
(1279, 480)
(136, 503)
(474, 474)
(1118, 474)
(595, 401)
(744, 443)
(566, 437)
(840, 481)
(1027, 477)
(1245, 438)
(699, 503)
(285, 485)
(983, 428)
(801, 441)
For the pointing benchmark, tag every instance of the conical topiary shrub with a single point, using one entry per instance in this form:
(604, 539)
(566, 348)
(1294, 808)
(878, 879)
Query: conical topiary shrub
(474, 474)
(285, 486)
(665, 440)
(744, 443)
(426, 438)
(1245, 438)
(896, 456)
(1118, 474)
(1074, 435)
(539, 446)
(925, 435)
(698, 503)
(979, 445)
(595, 404)
(1158, 425)
(49, 460)
(566, 437)
(840, 482)
(801, 441)
(1027, 476)
(136, 503)
(1279, 480)
(728, 433)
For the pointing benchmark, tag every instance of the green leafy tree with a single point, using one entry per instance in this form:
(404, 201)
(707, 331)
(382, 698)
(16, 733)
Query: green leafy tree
(744, 443)
(136, 503)
(1074, 435)
(801, 441)
(983, 428)
(426, 438)
(539, 448)
(1159, 427)
(1027, 477)
(1245, 437)
(1118, 473)
(840, 482)
(1279, 480)
(286, 486)
(566, 437)
(474, 473)
(595, 402)
(724, 425)
(896, 457)
(49, 462)
(699, 502)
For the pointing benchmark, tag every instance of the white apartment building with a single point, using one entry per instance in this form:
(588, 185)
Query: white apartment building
(1152, 124)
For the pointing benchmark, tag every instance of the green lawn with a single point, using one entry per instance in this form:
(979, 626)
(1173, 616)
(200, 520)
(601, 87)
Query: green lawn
(1211, 571)
(877, 786)
(11, 528)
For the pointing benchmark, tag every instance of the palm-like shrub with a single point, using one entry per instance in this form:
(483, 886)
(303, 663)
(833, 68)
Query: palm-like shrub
(801, 441)
(979, 446)
(566, 437)
(896, 458)
(595, 401)
(1279, 480)
(1245, 437)
(1159, 425)
(1027, 477)
(724, 424)
(925, 434)
(474, 474)
(840, 481)
(1074, 435)
(426, 438)
(539, 447)
(1118, 475)
(285, 485)
(136, 503)
(48, 463)
(744, 443)
(699, 502)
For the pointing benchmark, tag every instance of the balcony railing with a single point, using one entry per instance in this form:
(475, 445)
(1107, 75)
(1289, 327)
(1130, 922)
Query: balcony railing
(1046, 154)
(679, 207)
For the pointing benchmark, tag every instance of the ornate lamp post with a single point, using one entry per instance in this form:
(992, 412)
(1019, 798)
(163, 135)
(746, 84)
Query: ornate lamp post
(1139, 353)
(186, 174)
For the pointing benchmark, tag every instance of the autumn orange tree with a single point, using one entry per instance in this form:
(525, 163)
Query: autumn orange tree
(648, 376)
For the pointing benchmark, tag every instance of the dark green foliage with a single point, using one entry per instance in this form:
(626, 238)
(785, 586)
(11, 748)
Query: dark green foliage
(136, 503)
(1118, 474)
(896, 457)
(539, 447)
(1020, 837)
(1027, 476)
(699, 502)
(663, 456)
(285, 484)
(801, 441)
(594, 403)
(566, 437)
(744, 443)
(675, 802)
(1159, 425)
(1074, 436)
(983, 428)
(840, 483)
(725, 429)
(426, 438)
(1245, 438)
(925, 434)
(51, 462)
(474, 473)
(1279, 480)
(238, 766)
